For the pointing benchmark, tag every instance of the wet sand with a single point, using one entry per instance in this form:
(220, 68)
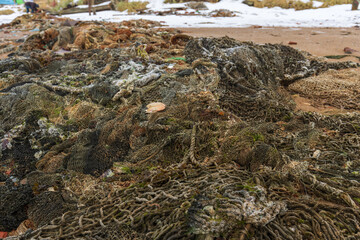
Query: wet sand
(317, 41)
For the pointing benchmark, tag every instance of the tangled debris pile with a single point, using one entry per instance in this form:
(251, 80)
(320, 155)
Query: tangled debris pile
(335, 88)
(66, 35)
(124, 131)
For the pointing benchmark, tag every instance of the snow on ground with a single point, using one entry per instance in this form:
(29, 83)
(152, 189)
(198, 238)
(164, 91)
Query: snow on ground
(18, 11)
(335, 16)
(317, 4)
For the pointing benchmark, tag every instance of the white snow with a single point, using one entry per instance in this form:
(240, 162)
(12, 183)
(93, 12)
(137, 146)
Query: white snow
(335, 16)
(18, 11)
(317, 4)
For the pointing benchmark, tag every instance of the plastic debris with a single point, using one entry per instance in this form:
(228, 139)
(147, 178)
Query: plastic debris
(177, 58)
(107, 174)
(3, 234)
(155, 107)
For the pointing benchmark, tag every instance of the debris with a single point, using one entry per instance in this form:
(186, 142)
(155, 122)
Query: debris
(316, 154)
(196, 5)
(23, 227)
(292, 43)
(3, 234)
(107, 174)
(349, 50)
(177, 58)
(355, 5)
(336, 56)
(155, 107)
(222, 13)
(333, 90)
(180, 39)
(119, 168)
(232, 156)
(47, 205)
(23, 181)
(14, 200)
(75, 9)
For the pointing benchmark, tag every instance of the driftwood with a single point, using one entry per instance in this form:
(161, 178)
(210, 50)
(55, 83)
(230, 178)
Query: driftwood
(84, 10)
